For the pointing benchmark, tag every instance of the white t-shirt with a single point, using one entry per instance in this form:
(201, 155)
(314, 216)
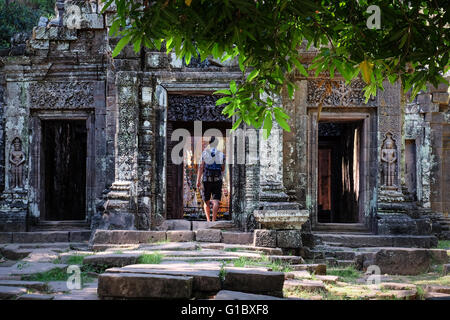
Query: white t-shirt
(218, 158)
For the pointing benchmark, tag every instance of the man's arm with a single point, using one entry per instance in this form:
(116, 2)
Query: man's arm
(199, 174)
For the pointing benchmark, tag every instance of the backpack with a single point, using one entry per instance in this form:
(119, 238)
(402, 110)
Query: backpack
(212, 171)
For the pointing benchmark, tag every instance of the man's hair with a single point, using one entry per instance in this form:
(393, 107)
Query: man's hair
(213, 138)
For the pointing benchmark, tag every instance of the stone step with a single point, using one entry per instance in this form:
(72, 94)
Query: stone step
(203, 280)
(304, 285)
(316, 268)
(35, 296)
(252, 281)
(36, 285)
(236, 295)
(287, 259)
(222, 246)
(7, 292)
(345, 263)
(359, 241)
(51, 236)
(143, 286)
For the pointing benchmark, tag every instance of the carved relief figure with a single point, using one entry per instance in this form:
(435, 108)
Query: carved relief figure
(16, 159)
(389, 158)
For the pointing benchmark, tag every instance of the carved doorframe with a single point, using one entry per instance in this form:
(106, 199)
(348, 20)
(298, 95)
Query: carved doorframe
(365, 159)
(37, 187)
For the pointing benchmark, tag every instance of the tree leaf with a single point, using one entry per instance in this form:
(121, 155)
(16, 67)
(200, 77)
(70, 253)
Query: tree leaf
(233, 87)
(267, 125)
(366, 70)
(188, 2)
(121, 44)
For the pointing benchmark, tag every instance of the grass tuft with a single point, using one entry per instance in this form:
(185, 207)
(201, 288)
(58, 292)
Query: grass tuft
(153, 258)
(347, 274)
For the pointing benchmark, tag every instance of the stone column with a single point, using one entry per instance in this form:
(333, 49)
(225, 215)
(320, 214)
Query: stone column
(392, 212)
(121, 204)
(275, 211)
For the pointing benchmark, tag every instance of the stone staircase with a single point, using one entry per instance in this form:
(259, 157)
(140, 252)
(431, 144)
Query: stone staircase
(42, 226)
(444, 221)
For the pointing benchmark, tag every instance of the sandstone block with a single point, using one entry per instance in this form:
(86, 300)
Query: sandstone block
(402, 261)
(236, 295)
(41, 237)
(180, 236)
(134, 285)
(208, 235)
(237, 237)
(11, 292)
(265, 238)
(253, 281)
(289, 238)
(112, 260)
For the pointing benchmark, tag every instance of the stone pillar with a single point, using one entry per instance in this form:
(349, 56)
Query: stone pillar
(121, 205)
(275, 211)
(392, 212)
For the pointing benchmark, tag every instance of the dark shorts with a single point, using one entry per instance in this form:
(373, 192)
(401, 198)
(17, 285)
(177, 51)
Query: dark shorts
(212, 188)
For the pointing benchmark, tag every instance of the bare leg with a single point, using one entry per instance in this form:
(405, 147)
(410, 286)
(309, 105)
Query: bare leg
(215, 209)
(206, 207)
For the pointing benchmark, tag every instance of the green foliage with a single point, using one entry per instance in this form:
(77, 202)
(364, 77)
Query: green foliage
(154, 258)
(347, 274)
(444, 244)
(21, 17)
(76, 259)
(51, 275)
(412, 44)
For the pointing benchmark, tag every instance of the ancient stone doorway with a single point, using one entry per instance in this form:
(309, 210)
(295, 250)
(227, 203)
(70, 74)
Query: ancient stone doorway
(339, 157)
(63, 169)
(183, 199)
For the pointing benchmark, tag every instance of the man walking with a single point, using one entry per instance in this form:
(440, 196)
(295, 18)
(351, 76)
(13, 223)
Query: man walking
(211, 169)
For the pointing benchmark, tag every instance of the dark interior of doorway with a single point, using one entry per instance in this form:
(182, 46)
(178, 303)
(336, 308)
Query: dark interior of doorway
(339, 171)
(63, 169)
(175, 190)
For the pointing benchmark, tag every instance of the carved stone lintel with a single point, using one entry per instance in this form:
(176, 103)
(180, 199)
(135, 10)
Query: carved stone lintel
(58, 95)
(193, 108)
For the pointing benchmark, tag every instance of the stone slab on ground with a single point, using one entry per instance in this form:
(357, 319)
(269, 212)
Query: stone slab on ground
(436, 296)
(41, 237)
(29, 268)
(127, 237)
(398, 294)
(236, 295)
(113, 247)
(237, 237)
(7, 292)
(208, 235)
(35, 296)
(242, 279)
(327, 279)
(305, 285)
(36, 285)
(286, 259)
(223, 246)
(88, 293)
(437, 289)
(303, 274)
(397, 286)
(14, 252)
(175, 246)
(112, 260)
(57, 286)
(316, 268)
(41, 255)
(402, 261)
(136, 285)
(207, 281)
(180, 236)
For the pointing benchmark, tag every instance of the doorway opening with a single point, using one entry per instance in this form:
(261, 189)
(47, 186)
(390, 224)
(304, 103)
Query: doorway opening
(63, 170)
(184, 200)
(339, 180)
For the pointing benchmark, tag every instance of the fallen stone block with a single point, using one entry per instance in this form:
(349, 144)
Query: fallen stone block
(208, 235)
(141, 286)
(203, 280)
(237, 237)
(36, 285)
(289, 239)
(318, 269)
(286, 259)
(297, 275)
(437, 289)
(253, 281)
(265, 238)
(399, 294)
(180, 236)
(436, 296)
(304, 285)
(29, 268)
(327, 279)
(7, 292)
(397, 286)
(79, 236)
(112, 260)
(402, 261)
(439, 256)
(14, 252)
(236, 295)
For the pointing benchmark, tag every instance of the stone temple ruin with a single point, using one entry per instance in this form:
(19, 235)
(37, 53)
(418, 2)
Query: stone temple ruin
(86, 143)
